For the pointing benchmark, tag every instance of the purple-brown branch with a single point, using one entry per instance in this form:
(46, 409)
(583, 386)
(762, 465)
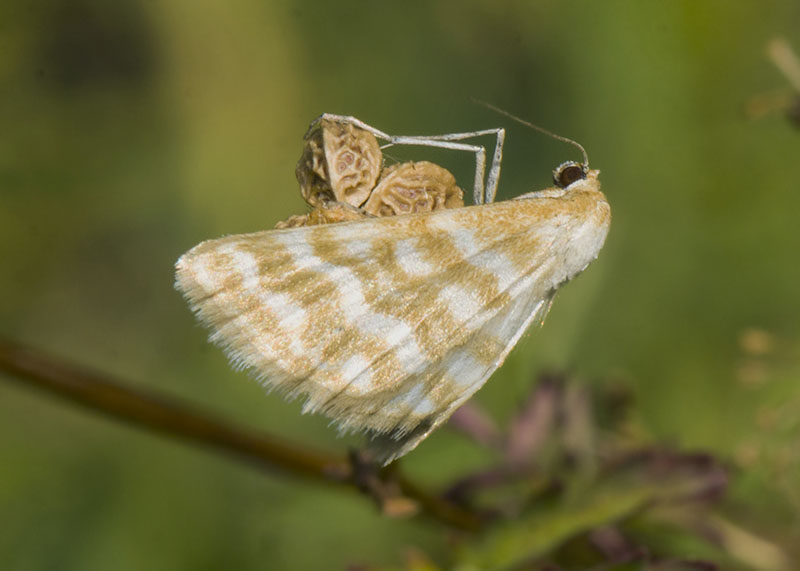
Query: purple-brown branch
(147, 409)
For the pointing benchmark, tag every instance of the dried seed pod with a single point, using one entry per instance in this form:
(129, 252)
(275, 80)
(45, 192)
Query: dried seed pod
(340, 162)
(414, 187)
(324, 213)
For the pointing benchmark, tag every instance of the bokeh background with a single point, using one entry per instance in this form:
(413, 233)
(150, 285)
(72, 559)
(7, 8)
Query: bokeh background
(132, 130)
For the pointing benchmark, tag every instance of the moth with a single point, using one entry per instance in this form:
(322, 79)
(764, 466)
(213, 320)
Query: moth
(388, 324)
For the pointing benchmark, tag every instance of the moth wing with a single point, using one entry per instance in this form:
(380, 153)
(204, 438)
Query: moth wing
(386, 325)
(460, 374)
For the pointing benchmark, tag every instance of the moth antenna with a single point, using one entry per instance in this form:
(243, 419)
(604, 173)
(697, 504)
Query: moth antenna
(535, 128)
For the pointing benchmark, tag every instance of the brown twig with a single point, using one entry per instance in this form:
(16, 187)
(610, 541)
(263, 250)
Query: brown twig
(167, 416)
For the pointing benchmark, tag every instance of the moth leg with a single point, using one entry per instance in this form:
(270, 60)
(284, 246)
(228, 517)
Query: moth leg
(449, 141)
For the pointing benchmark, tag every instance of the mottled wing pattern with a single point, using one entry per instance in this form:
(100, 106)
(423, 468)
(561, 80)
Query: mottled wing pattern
(418, 414)
(388, 324)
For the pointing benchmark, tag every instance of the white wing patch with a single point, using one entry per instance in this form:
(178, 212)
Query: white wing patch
(410, 259)
(387, 325)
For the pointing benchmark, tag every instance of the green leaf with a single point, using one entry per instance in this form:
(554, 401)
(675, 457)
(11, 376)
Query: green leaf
(540, 532)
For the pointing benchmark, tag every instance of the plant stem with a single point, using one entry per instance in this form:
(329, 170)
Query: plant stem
(167, 416)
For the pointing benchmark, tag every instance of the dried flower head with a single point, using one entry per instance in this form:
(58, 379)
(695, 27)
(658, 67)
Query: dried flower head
(340, 162)
(414, 187)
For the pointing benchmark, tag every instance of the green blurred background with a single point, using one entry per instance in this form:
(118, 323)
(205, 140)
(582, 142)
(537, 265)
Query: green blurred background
(133, 129)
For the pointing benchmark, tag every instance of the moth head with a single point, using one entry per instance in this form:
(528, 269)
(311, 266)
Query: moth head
(568, 172)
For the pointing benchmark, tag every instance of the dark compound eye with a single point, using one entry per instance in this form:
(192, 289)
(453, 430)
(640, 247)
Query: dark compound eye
(567, 173)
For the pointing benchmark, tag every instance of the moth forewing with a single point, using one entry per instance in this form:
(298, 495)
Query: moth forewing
(387, 325)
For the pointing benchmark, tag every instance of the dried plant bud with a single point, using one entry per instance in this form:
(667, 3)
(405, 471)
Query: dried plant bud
(324, 213)
(333, 212)
(293, 221)
(414, 187)
(340, 162)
